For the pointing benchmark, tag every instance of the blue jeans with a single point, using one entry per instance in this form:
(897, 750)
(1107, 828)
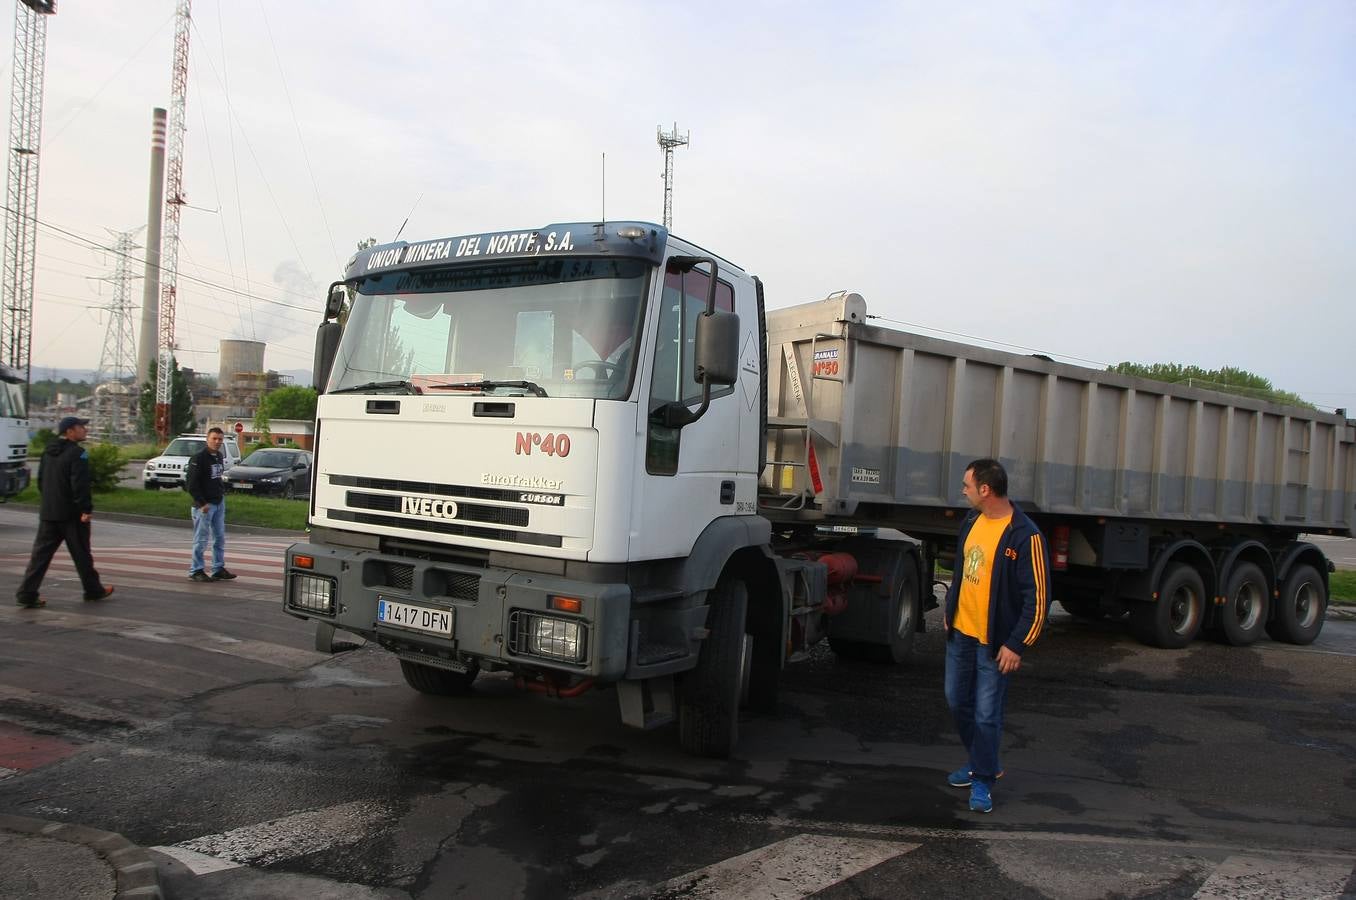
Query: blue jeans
(212, 522)
(976, 692)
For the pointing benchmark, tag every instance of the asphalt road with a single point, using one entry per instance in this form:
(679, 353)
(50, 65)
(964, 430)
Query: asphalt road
(199, 720)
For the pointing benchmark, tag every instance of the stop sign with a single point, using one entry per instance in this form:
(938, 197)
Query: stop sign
(239, 428)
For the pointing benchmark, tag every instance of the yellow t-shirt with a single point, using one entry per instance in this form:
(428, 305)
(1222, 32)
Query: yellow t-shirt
(981, 544)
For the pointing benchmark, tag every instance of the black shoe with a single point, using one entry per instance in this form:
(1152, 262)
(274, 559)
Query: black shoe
(200, 575)
(34, 603)
(222, 575)
(102, 595)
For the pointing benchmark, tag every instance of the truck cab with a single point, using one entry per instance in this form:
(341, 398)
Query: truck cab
(14, 472)
(536, 451)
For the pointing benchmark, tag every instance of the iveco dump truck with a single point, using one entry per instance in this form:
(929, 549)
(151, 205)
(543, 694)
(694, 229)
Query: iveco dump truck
(588, 455)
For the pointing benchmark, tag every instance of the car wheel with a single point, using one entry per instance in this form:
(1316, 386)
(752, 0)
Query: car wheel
(289, 491)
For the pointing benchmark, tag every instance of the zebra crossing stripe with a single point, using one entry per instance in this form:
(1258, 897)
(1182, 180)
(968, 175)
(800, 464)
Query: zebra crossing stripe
(1248, 877)
(787, 870)
(281, 839)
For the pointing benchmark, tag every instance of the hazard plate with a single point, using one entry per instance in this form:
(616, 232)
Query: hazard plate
(415, 618)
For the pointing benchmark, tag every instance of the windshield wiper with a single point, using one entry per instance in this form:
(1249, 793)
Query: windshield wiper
(487, 386)
(375, 386)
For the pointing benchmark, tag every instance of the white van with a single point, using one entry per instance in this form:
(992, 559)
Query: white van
(167, 469)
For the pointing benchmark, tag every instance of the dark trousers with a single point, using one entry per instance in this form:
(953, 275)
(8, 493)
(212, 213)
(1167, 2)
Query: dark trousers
(50, 536)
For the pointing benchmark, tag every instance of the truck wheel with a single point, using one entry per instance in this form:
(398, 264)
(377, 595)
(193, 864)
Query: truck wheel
(1299, 613)
(708, 711)
(1243, 617)
(1173, 621)
(1082, 606)
(152, 485)
(441, 682)
(903, 625)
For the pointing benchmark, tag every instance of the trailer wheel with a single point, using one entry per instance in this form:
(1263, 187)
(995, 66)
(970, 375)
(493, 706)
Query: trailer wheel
(1174, 620)
(1299, 614)
(439, 682)
(1243, 617)
(708, 710)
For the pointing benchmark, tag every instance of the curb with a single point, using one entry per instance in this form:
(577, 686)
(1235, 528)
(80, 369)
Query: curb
(136, 873)
(137, 519)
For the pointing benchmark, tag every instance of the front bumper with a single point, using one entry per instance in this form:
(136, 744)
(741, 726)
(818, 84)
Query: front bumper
(499, 618)
(13, 479)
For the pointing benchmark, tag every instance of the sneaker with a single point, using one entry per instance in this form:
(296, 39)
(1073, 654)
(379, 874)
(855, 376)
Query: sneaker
(33, 603)
(959, 778)
(106, 593)
(222, 575)
(200, 575)
(981, 801)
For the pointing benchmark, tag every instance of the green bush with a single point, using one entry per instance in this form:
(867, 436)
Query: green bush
(105, 462)
(39, 441)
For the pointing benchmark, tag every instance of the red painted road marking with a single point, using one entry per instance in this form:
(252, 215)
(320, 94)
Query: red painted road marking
(23, 750)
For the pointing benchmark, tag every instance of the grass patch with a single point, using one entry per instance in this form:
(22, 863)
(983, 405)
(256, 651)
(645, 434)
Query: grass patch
(174, 504)
(1342, 587)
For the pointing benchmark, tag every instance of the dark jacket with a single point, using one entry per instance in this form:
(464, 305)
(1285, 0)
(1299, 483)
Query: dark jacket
(63, 481)
(202, 477)
(1019, 587)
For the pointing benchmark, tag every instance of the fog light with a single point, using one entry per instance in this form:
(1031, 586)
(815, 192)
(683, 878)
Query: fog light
(311, 593)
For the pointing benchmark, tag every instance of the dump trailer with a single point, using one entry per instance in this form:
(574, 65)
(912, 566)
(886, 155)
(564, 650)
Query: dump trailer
(587, 456)
(1183, 507)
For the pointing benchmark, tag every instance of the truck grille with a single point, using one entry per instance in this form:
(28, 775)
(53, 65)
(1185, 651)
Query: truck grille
(468, 512)
(443, 526)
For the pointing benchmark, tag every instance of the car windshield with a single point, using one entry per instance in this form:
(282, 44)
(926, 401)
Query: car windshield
(184, 447)
(270, 459)
(550, 327)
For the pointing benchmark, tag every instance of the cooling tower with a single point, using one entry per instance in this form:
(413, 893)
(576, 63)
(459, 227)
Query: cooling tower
(240, 358)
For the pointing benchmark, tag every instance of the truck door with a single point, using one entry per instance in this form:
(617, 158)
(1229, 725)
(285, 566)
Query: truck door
(689, 471)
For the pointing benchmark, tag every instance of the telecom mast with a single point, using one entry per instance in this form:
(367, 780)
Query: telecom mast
(174, 201)
(21, 216)
(668, 142)
(113, 395)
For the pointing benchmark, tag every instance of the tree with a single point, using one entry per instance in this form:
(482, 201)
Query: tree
(184, 416)
(291, 402)
(1227, 380)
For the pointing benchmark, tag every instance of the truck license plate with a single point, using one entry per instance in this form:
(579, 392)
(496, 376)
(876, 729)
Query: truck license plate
(418, 618)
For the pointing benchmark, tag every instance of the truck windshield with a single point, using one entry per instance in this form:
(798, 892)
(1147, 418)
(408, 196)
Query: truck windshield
(11, 400)
(566, 326)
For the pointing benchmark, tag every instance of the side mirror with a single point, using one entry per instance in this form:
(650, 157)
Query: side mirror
(326, 346)
(335, 301)
(717, 350)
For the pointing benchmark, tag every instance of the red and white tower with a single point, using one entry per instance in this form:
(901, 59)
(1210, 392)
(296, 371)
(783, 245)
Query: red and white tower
(174, 201)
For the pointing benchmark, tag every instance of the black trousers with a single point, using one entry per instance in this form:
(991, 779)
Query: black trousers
(50, 537)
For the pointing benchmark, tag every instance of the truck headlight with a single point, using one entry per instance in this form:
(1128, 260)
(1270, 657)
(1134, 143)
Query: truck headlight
(311, 593)
(549, 637)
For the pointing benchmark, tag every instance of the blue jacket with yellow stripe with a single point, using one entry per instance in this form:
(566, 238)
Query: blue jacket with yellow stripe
(1019, 588)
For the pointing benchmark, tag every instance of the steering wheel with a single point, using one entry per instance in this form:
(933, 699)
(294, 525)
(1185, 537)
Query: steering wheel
(602, 367)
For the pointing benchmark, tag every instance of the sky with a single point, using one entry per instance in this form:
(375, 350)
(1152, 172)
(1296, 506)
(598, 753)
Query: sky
(1097, 181)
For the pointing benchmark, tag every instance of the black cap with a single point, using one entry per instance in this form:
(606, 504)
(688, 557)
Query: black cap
(70, 422)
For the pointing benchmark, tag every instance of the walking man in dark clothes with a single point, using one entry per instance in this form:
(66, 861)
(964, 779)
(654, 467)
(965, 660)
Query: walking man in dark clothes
(202, 480)
(64, 516)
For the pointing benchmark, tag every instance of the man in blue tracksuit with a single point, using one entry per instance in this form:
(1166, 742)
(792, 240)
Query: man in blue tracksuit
(995, 609)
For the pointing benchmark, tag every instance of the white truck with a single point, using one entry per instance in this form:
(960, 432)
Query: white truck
(587, 455)
(14, 472)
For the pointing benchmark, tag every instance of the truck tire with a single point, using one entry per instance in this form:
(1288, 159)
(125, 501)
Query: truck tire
(1298, 617)
(708, 707)
(1082, 606)
(903, 625)
(152, 485)
(1174, 620)
(439, 682)
(1243, 617)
